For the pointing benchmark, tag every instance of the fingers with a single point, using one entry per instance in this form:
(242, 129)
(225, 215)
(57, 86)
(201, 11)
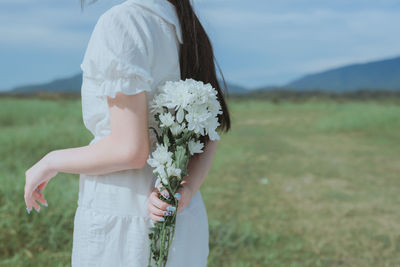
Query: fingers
(158, 202)
(164, 192)
(156, 218)
(31, 203)
(40, 198)
(28, 199)
(158, 208)
(156, 211)
(42, 186)
(177, 195)
(37, 196)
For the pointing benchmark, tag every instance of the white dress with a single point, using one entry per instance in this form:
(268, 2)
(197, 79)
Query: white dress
(134, 47)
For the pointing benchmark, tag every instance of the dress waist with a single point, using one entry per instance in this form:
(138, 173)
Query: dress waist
(123, 192)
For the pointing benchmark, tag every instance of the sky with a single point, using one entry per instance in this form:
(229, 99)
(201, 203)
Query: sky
(256, 42)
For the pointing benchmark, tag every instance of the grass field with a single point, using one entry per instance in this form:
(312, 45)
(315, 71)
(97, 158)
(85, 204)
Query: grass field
(315, 183)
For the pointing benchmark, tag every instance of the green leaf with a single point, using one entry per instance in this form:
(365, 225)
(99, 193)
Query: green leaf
(179, 155)
(166, 140)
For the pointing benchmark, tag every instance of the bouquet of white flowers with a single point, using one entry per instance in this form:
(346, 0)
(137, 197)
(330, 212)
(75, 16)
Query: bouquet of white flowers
(185, 111)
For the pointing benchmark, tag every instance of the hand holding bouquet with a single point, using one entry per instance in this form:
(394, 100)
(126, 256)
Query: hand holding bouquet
(185, 111)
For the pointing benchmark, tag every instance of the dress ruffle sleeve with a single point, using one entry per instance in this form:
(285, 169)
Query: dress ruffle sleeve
(118, 55)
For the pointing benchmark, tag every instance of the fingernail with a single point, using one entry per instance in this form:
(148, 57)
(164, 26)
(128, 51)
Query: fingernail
(28, 210)
(165, 212)
(171, 208)
(38, 210)
(166, 195)
(177, 196)
(161, 219)
(45, 204)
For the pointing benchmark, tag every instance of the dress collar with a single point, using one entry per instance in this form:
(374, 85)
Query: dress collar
(164, 9)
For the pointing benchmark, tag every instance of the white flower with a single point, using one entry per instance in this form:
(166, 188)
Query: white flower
(157, 104)
(161, 173)
(172, 171)
(212, 124)
(177, 128)
(160, 157)
(152, 162)
(157, 182)
(166, 119)
(161, 176)
(165, 180)
(192, 109)
(214, 107)
(176, 94)
(202, 96)
(198, 99)
(213, 135)
(195, 147)
(182, 97)
(197, 119)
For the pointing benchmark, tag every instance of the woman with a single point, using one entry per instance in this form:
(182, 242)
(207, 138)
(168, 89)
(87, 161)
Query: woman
(135, 46)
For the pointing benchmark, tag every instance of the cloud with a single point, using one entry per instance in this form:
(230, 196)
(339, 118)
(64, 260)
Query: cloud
(256, 42)
(34, 36)
(44, 39)
(50, 27)
(280, 43)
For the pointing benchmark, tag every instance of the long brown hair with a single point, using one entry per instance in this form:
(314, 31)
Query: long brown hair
(196, 56)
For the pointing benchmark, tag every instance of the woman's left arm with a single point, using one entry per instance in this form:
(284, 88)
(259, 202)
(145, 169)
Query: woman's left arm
(198, 168)
(127, 147)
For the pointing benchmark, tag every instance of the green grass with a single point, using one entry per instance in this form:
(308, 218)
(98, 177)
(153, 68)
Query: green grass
(293, 184)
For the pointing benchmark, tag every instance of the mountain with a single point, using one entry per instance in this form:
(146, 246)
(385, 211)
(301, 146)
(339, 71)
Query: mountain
(70, 84)
(383, 74)
(73, 84)
(235, 89)
(266, 88)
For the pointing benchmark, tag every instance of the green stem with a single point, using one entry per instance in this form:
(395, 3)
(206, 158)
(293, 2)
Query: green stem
(151, 252)
(173, 232)
(160, 259)
(173, 223)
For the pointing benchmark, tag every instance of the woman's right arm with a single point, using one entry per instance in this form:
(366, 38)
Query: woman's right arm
(127, 147)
